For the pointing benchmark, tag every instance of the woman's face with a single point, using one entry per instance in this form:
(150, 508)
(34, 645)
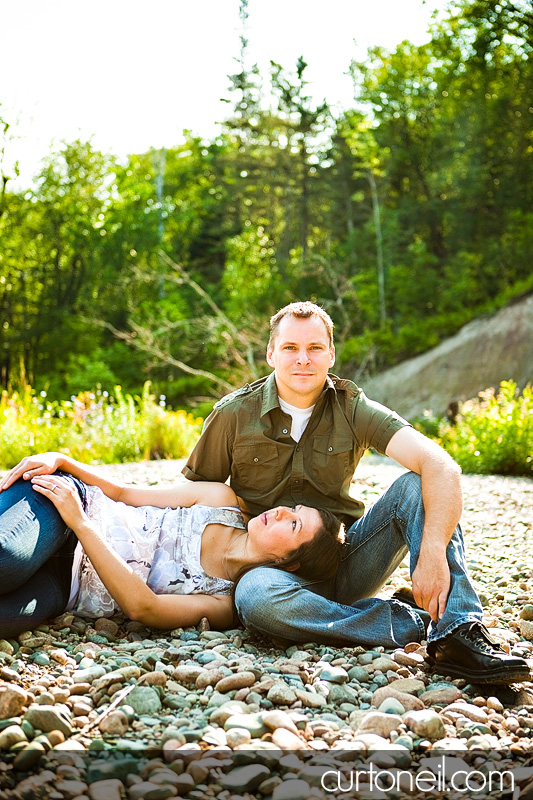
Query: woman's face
(281, 530)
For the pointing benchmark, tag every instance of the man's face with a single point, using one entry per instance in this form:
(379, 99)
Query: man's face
(301, 356)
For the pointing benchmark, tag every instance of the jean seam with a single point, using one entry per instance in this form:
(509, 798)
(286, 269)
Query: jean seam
(373, 533)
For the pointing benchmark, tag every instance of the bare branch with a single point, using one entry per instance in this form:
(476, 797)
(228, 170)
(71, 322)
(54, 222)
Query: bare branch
(145, 344)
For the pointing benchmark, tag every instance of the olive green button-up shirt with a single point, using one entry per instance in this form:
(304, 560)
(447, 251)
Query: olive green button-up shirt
(247, 439)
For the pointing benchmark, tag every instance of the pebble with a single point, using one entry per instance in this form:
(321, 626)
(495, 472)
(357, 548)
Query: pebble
(468, 710)
(442, 696)
(391, 706)
(144, 700)
(408, 701)
(238, 736)
(526, 629)
(426, 723)
(106, 790)
(281, 694)
(409, 685)
(238, 681)
(334, 674)
(379, 723)
(292, 790)
(244, 779)
(278, 719)
(10, 736)
(526, 612)
(12, 699)
(49, 718)
(116, 723)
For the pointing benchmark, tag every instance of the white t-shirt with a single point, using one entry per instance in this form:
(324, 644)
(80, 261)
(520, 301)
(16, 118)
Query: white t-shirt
(300, 418)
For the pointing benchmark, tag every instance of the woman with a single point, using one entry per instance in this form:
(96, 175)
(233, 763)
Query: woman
(73, 539)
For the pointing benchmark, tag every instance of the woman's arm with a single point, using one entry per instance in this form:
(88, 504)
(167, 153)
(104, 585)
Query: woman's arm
(184, 493)
(129, 591)
(47, 463)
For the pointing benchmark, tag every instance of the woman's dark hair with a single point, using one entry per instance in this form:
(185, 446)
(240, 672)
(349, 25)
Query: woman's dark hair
(318, 559)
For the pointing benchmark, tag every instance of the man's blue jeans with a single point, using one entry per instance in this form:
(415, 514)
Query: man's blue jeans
(345, 610)
(36, 552)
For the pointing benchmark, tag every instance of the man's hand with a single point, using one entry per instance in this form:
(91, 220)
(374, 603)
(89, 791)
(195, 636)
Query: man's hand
(431, 584)
(29, 467)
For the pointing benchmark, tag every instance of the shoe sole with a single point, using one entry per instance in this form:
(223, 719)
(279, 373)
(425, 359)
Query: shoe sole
(501, 676)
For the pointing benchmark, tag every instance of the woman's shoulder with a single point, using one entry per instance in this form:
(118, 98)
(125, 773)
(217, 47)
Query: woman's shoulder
(212, 493)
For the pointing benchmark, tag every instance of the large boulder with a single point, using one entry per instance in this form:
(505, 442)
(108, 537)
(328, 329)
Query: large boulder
(485, 352)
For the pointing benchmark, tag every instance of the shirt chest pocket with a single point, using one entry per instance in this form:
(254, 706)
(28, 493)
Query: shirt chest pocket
(332, 461)
(256, 466)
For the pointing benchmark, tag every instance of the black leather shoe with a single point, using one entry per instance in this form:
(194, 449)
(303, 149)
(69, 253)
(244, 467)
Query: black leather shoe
(470, 652)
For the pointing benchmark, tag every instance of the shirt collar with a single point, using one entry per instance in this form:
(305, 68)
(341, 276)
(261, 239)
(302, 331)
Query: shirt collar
(270, 392)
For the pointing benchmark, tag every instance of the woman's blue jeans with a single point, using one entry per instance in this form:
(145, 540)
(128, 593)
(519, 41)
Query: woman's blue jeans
(345, 610)
(36, 553)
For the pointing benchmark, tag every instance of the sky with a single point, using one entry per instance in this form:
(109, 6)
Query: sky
(133, 74)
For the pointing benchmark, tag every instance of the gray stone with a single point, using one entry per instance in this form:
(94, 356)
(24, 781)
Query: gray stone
(49, 718)
(10, 736)
(281, 694)
(526, 612)
(425, 723)
(244, 779)
(89, 674)
(408, 701)
(359, 674)
(342, 694)
(250, 722)
(144, 700)
(526, 629)
(379, 723)
(12, 699)
(391, 705)
(312, 774)
(228, 709)
(106, 769)
(468, 710)
(28, 758)
(334, 674)
(310, 699)
(442, 696)
(291, 790)
(106, 790)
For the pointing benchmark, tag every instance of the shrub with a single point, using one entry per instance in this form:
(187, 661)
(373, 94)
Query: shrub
(494, 432)
(93, 427)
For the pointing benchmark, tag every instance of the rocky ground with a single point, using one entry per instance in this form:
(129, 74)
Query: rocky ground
(108, 709)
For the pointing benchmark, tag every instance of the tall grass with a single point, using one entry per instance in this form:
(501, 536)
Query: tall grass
(94, 427)
(494, 432)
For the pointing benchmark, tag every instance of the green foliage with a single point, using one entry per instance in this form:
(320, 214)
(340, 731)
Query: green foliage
(494, 433)
(93, 427)
(405, 217)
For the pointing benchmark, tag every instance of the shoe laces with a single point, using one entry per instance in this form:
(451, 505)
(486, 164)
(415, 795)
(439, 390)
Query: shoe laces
(480, 637)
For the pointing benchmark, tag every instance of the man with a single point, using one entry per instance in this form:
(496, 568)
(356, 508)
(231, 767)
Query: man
(297, 437)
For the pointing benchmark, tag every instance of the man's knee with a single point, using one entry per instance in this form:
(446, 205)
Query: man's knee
(259, 591)
(409, 482)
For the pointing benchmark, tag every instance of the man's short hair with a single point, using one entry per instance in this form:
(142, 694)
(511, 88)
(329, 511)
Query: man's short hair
(301, 310)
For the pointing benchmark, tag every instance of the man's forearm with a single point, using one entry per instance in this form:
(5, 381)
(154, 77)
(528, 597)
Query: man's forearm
(443, 502)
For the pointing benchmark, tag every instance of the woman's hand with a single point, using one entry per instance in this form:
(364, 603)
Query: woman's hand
(64, 496)
(29, 467)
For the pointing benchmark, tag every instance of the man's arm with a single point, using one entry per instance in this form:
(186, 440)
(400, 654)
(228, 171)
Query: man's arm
(212, 457)
(443, 504)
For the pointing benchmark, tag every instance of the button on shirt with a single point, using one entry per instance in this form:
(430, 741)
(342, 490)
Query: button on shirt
(247, 439)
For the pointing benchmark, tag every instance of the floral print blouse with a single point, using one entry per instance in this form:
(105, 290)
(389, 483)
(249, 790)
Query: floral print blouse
(162, 545)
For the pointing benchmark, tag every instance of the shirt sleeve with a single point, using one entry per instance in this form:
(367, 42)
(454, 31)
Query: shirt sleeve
(211, 458)
(375, 424)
